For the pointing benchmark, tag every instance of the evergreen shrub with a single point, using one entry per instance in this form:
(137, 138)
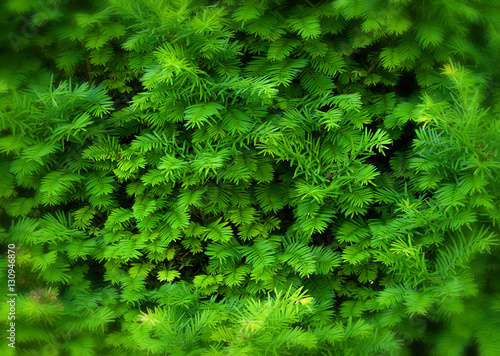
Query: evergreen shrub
(251, 177)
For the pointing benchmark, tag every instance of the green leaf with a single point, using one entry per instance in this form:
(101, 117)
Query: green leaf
(285, 71)
(261, 254)
(219, 232)
(281, 49)
(430, 34)
(390, 58)
(198, 114)
(300, 257)
(168, 275)
(308, 27)
(7, 185)
(101, 56)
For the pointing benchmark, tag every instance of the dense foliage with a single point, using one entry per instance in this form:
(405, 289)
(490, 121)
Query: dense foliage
(251, 177)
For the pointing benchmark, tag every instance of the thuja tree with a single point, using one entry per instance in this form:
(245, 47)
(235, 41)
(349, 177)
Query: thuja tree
(251, 177)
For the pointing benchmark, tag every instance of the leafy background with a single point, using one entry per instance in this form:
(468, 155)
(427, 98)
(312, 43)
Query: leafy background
(251, 177)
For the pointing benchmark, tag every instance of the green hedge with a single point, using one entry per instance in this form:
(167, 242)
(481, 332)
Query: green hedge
(251, 177)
